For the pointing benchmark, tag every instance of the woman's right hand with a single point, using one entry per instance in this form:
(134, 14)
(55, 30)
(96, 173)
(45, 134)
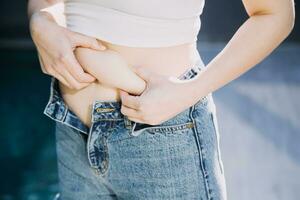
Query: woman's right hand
(55, 45)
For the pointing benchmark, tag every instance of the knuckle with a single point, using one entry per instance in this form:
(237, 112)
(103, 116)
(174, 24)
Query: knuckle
(77, 74)
(62, 58)
(76, 86)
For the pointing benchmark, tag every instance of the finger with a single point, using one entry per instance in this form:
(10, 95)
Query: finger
(72, 82)
(76, 70)
(61, 78)
(144, 73)
(52, 71)
(86, 41)
(129, 100)
(129, 112)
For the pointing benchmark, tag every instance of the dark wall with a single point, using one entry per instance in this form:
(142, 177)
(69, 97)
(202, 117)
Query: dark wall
(220, 20)
(13, 19)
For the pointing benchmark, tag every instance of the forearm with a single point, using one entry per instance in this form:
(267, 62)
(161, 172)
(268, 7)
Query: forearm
(253, 41)
(110, 68)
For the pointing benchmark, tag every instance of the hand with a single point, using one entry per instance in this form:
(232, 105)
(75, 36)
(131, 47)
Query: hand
(163, 98)
(55, 45)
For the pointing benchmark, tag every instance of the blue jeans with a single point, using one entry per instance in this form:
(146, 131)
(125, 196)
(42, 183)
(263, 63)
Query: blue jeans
(117, 158)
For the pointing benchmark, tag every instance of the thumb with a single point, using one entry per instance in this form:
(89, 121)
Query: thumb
(86, 41)
(144, 73)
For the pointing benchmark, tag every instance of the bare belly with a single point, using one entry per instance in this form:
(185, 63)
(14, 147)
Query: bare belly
(171, 61)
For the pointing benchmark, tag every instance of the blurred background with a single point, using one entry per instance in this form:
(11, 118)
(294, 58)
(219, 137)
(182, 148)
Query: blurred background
(258, 113)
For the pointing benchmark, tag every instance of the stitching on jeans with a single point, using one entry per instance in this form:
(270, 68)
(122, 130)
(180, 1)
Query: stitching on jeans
(170, 128)
(158, 129)
(200, 152)
(217, 142)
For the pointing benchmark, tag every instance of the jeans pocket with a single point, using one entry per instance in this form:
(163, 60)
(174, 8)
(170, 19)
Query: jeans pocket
(171, 129)
(139, 128)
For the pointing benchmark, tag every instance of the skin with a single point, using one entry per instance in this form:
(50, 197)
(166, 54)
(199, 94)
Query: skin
(273, 20)
(107, 64)
(269, 23)
(111, 68)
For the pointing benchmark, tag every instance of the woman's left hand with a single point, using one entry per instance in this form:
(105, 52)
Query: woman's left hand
(163, 98)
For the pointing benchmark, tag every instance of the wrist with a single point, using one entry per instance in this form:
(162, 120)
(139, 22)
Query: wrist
(37, 20)
(192, 88)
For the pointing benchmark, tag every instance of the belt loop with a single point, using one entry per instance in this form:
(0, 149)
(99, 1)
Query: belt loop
(137, 132)
(191, 110)
(127, 123)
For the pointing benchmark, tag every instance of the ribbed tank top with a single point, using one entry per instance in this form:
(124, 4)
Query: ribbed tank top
(136, 23)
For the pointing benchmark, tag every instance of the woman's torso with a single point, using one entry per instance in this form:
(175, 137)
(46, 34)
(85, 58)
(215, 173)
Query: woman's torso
(162, 38)
(171, 61)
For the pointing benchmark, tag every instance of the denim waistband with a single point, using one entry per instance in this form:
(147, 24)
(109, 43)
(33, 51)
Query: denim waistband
(58, 110)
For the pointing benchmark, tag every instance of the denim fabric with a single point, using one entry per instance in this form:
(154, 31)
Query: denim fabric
(120, 159)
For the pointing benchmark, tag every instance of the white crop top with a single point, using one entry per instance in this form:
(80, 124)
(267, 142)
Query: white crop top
(136, 23)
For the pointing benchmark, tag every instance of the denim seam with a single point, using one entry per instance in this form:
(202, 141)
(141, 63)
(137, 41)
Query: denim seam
(88, 145)
(217, 143)
(199, 146)
(170, 128)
